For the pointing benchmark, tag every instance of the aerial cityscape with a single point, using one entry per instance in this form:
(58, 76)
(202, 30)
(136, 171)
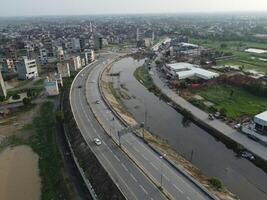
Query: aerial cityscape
(140, 100)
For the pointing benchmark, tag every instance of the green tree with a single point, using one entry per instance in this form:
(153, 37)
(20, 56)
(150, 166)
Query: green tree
(59, 116)
(223, 46)
(16, 97)
(223, 112)
(26, 101)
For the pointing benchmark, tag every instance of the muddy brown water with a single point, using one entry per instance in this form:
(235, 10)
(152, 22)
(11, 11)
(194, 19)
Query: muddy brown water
(19, 174)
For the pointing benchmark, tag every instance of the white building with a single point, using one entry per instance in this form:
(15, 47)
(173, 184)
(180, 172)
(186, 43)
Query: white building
(63, 69)
(75, 63)
(60, 54)
(89, 56)
(187, 70)
(27, 68)
(261, 122)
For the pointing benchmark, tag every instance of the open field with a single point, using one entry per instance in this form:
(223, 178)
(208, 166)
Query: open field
(241, 103)
(250, 61)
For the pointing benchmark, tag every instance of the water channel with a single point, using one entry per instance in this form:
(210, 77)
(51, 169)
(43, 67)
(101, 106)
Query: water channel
(211, 156)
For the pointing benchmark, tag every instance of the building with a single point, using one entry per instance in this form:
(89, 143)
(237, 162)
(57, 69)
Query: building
(63, 69)
(43, 58)
(52, 84)
(60, 55)
(75, 63)
(27, 68)
(48, 45)
(186, 70)
(3, 92)
(75, 44)
(89, 56)
(261, 123)
(8, 66)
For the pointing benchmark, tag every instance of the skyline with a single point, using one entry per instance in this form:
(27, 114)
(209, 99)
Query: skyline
(89, 7)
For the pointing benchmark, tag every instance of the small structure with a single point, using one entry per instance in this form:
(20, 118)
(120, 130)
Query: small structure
(261, 123)
(187, 70)
(52, 84)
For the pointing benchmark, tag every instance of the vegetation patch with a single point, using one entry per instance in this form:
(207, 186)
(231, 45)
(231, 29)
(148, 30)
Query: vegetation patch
(44, 144)
(142, 75)
(235, 102)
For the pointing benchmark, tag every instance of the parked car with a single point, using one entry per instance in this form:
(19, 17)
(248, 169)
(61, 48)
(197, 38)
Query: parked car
(248, 155)
(97, 102)
(97, 141)
(211, 117)
(79, 86)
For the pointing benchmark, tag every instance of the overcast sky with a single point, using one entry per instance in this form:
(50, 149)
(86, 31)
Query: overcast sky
(81, 7)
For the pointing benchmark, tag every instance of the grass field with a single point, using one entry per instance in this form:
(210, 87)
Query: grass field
(239, 104)
(250, 61)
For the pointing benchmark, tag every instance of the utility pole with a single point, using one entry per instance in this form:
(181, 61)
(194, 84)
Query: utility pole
(191, 156)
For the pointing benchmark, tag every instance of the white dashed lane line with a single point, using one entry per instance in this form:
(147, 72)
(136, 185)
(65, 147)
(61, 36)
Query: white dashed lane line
(124, 167)
(133, 177)
(177, 188)
(143, 189)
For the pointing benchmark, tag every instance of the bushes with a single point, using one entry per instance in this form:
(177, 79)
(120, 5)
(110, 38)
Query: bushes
(27, 101)
(216, 183)
(16, 97)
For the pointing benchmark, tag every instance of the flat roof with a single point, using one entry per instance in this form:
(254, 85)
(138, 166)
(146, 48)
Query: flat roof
(262, 116)
(186, 70)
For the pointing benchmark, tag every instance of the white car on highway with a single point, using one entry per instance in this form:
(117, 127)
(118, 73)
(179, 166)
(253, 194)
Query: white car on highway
(97, 141)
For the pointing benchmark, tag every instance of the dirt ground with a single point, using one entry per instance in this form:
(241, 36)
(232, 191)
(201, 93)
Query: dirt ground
(11, 125)
(19, 174)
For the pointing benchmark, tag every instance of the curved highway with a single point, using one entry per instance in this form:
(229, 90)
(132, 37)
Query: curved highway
(129, 177)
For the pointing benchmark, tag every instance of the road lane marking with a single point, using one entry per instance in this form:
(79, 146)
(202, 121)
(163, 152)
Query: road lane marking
(145, 158)
(154, 166)
(143, 189)
(176, 187)
(133, 177)
(117, 158)
(124, 167)
(166, 177)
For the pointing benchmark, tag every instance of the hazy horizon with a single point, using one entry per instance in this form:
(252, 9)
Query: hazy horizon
(89, 7)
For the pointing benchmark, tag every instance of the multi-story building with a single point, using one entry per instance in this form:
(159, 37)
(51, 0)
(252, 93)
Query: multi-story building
(43, 58)
(63, 69)
(75, 63)
(76, 45)
(26, 68)
(8, 66)
(3, 92)
(60, 55)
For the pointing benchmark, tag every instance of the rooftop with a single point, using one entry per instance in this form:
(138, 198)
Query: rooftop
(262, 116)
(187, 70)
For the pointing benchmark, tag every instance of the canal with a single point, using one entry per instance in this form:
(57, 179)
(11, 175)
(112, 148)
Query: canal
(211, 156)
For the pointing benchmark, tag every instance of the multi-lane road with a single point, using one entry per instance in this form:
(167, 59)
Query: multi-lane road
(137, 173)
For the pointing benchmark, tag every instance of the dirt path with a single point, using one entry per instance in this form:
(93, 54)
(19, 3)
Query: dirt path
(19, 174)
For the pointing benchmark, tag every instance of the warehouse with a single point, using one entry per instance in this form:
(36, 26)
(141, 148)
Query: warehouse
(261, 123)
(187, 70)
